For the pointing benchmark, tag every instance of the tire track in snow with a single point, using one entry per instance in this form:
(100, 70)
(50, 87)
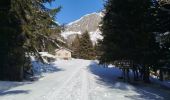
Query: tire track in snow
(71, 88)
(52, 95)
(84, 90)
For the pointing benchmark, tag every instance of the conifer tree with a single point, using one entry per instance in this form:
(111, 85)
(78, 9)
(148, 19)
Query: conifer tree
(39, 24)
(11, 41)
(24, 24)
(86, 47)
(162, 28)
(75, 46)
(127, 33)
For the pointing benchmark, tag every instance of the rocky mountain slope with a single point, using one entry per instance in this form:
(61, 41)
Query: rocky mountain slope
(89, 22)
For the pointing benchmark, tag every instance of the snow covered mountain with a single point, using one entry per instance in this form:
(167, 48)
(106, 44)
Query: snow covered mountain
(89, 22)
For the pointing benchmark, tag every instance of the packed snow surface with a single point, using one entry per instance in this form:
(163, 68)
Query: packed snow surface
(46, 54)
(80, 80)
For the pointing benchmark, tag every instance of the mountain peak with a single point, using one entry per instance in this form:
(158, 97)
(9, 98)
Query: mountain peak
(87, 15)
(88, 22)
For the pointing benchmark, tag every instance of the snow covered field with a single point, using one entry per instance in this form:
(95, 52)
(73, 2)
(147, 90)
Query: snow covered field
(81, 80)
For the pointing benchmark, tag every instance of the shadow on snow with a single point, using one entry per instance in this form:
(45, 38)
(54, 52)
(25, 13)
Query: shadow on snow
(39, 67)
(109, 78)
(51, 68)
(14, 92)
(5, 87)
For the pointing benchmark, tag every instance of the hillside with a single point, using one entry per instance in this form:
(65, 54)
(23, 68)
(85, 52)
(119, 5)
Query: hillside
(89, 22)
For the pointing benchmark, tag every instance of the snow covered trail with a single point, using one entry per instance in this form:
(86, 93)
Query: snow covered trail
(80, 80)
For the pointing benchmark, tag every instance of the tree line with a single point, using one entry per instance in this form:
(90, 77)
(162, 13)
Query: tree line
(137, 31)
(83, 47)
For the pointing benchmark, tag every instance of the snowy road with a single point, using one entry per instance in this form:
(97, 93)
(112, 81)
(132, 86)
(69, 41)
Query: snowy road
(80, 80)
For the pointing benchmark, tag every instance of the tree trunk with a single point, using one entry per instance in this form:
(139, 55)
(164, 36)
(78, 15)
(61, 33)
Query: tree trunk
(146, 74)
(161, 75)
(124, 75)
(128, 77)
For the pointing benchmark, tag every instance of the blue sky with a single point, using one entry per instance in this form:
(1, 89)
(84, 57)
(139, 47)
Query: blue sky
(74, 9)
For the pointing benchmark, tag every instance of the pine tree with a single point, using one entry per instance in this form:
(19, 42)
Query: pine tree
(75, 46)
(127, 33)
(39, 25)
(86, 47)
(11, 41)
(162, 27)
(24, 24)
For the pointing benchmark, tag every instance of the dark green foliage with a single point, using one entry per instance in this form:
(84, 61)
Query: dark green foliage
(163, 29)
(24, 26)
(75, 46)
(127, 29)
(97, 51)
(11, 41)
(86, 47)
(82, 47)
(39, 25)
